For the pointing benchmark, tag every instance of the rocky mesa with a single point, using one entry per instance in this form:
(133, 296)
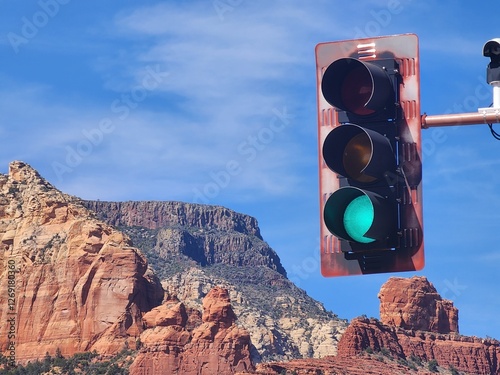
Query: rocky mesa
(206, 234)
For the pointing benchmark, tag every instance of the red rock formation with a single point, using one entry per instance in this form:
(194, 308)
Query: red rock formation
(468, 354)
(73, 283)
(77, 284)
(414, 303)
(359, 365)
(216, 346)
(417, 322)
(412, 314)
(368, 333)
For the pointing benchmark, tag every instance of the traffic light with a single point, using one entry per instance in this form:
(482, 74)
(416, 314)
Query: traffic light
(369, 127)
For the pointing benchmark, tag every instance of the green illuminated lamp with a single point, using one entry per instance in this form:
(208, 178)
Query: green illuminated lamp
(358, 218)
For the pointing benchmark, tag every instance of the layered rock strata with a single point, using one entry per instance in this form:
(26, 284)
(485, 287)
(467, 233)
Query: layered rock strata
(471, 355)
(219, 235)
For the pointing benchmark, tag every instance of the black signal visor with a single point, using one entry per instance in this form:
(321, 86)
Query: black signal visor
(362, 88)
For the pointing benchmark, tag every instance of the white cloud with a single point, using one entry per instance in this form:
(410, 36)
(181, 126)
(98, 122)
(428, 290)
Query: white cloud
(226, 81)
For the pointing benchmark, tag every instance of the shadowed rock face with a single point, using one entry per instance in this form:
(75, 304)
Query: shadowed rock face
(79, 285)
(214, 346)
(222, 236)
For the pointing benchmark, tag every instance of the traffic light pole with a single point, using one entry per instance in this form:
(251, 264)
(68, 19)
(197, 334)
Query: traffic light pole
(458, 119)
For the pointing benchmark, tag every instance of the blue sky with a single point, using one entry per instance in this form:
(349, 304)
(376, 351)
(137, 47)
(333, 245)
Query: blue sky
(214, 101)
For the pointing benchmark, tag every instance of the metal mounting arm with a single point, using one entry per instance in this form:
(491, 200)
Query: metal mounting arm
(457, 119)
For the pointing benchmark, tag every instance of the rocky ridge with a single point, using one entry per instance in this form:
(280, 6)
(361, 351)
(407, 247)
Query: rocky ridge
(198, 247)
(416, 321)
(470, 355)
(207, 234)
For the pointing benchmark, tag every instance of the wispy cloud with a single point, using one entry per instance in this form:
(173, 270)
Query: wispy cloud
(227, 80)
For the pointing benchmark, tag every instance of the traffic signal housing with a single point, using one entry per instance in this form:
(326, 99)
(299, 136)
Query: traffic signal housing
(370, 155)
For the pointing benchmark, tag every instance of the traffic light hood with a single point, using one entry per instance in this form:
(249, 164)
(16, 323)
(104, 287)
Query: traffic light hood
(355, 86)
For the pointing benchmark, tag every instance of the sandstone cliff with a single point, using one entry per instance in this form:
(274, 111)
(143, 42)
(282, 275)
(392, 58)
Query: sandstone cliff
(195, 248)
(79, 284)
(67, 281)
(173, 342)
(415, 303)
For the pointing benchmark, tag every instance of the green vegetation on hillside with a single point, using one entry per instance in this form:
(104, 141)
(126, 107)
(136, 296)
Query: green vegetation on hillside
(88, 363)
